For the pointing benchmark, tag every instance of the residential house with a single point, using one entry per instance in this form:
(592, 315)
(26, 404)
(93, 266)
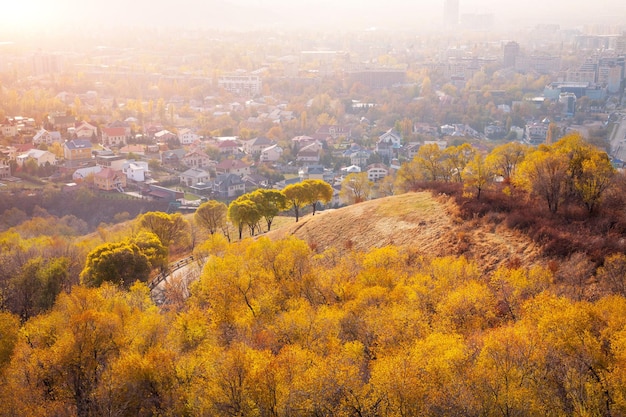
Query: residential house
(187, 136)
(84, 130)
(41, 157)
(5, 170)
(136, 171)
(173, 157)
(537, 133)
(360, 157)
(8, 129)
(228, 186)
(376, 172)
(256, 145)
(47, 138)
(114, 136)
(312, 172)
(232, 166)
(115, 162)
(77, 150)
(134, 149)
(332, 132)
(198, 159)
(62, 122)
(310, 153)
(271, 154)
(386, 150)
(122, 125)
(254, 181)
(352, 169)
(302, 141)
(194, 176)
(228, 147)
(391, 136)
(411, 150)
(82, 173)
(164, 136)
(109, 179)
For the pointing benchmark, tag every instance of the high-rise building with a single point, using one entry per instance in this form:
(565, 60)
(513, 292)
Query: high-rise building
(511, 51)
(451, 13)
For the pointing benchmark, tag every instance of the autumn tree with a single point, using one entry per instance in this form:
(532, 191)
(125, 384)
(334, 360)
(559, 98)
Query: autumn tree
(478, 174)
(211, 215)
(544, 174)
(429, 160)
(356, 188)
(317, 191)
(269, 203)
(244, 212)
(297, 197)
(169, 228)
(505, 158)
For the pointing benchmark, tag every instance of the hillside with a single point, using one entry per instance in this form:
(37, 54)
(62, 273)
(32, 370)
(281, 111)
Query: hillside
(429, 225)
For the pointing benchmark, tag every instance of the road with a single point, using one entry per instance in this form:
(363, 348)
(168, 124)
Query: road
(176, 282)
(618, 140)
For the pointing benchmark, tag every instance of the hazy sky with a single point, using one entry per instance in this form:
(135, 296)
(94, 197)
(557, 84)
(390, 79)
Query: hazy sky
(33, 15)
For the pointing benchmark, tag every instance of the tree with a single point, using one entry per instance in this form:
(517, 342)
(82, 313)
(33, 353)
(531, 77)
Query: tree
(120, 263)
(356, 188)
(478, 173)
(429, 159)
(317, 191)
(168, 227)
(242, 212)
(269, 203)
(455, 158)
(296, 195)
(505, 158)
(544, 174)
(594, 180)
(211, 215)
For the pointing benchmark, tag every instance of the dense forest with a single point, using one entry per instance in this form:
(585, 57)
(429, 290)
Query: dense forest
(288, 327)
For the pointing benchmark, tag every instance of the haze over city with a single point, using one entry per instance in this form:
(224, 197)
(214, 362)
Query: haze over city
(36, 16)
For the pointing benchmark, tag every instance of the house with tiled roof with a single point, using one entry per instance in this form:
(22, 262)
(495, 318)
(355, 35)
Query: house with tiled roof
(187, 136)
(44, 137)
(8, 128)
(77, 150)
(271, 153)
(376, 172)
(194, 176)
(310, 153)
(84, 130)
(164, 136)
(228, 147)
(232, 166)
(228, 186)
(41, 157)
(62, 122)
(198, 159)
(256, 145)
(173, 157)
(114, 136)
(109, 179)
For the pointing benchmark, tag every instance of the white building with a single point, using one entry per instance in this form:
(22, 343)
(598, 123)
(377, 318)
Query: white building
(135, 170)
(241, 83)
(271, 153)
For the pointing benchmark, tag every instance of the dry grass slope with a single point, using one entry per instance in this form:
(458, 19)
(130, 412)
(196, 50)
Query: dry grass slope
(426, 224)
